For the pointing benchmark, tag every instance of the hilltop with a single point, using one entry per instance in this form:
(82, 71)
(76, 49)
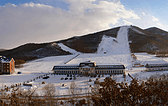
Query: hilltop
(140, 40)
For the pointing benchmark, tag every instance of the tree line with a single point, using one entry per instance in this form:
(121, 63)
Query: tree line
(151, 92)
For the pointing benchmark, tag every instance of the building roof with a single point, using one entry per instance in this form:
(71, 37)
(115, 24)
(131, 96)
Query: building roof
(3, 59)
(156, 65)
(110, 66)
(88, 62)
(65, 67)
(100, 66)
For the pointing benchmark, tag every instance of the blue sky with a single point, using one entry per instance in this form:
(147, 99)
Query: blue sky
(54, 3)
(37, 21)
(157, 8)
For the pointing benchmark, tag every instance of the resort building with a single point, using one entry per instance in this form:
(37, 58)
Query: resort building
(7, 65)
(90, 68)
(156, 67)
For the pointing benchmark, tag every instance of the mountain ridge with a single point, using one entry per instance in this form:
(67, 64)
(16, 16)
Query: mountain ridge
(2, 50)
(140, 40)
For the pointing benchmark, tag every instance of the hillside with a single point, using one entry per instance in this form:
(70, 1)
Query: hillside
(149, 40)
(2, 50)
(89, 43)
(155, 30)
(33, 51)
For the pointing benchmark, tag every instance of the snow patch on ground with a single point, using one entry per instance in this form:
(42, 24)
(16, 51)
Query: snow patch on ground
(42, 66)
(39, 49)
(102, 59)
(145, 58)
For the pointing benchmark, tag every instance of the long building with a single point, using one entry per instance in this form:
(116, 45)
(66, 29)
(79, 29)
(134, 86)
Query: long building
(7, 65)
(89, 68)
(156, 67)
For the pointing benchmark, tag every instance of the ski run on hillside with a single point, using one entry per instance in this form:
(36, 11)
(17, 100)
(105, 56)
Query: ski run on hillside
(110, 51)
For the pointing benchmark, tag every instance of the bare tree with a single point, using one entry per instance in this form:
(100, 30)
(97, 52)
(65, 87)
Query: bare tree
(49, 93)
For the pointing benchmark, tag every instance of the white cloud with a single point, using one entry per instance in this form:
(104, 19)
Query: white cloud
(146, 21)
(159, 24)
(43, 23)
(143, 13)
(154, 18)
(127, 23)
(31, 4)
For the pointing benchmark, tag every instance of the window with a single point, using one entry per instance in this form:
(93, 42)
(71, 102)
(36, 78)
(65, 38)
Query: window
(82, 65)
(91, 65)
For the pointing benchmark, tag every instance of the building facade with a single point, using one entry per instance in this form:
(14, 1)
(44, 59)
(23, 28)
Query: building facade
(156, 67)
(89, 68)
(7, 65)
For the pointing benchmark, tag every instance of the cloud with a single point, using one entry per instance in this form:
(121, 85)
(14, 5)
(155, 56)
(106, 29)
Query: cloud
(146, 20)
(160, 25)
(143, 13)
(154, 18)
(30, 22)
(127, 23)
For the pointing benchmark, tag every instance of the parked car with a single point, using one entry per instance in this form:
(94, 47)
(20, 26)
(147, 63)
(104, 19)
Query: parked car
(27, 84)
(46, 77)
(64, 84)
(90, 80)
(74, 78)
(62, 78)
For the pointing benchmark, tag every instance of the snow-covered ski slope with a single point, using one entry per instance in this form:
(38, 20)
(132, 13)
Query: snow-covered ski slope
(113, 46)
(122, 47)
(65, 48)
(106, 45)
(44, 65)
(110, 51)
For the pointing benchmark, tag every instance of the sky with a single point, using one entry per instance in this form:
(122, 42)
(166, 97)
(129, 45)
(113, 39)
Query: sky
(40, 21)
